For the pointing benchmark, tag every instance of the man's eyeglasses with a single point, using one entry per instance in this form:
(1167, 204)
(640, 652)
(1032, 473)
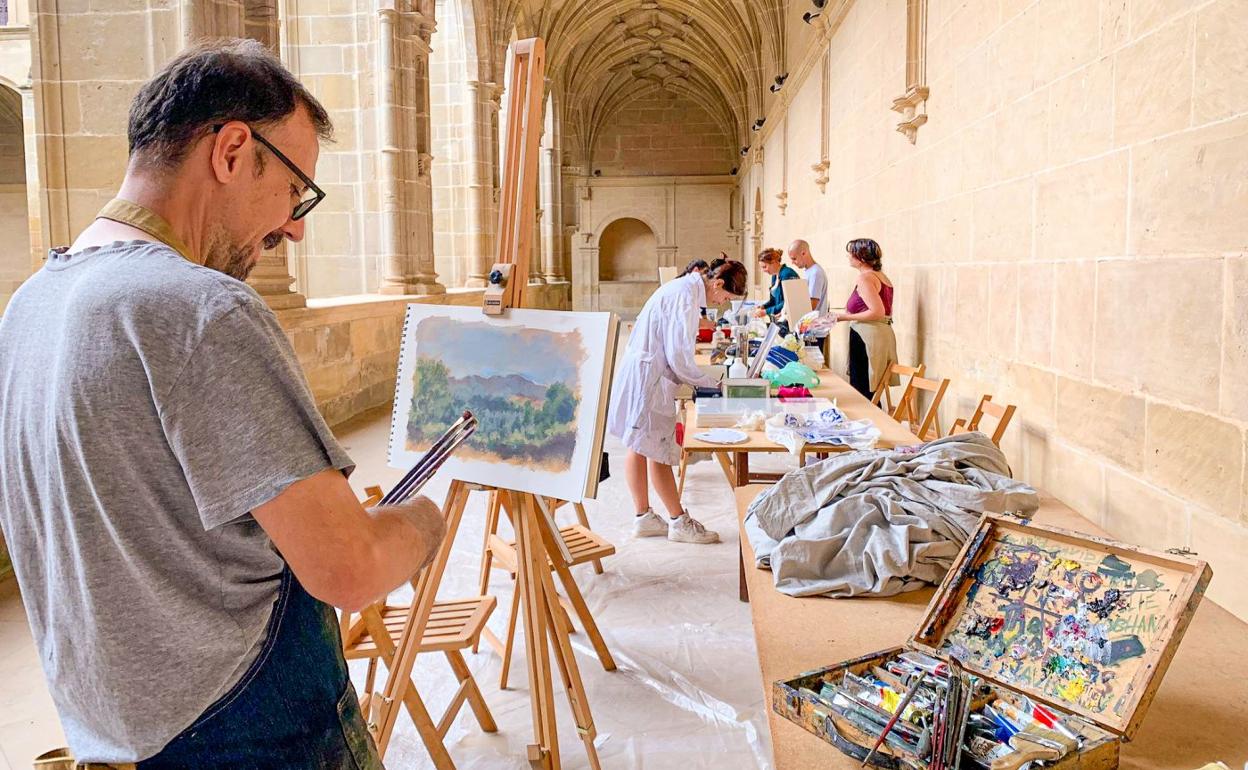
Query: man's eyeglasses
(311, 194)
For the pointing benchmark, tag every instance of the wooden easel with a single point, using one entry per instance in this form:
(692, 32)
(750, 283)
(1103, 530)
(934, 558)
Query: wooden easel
(546, 627)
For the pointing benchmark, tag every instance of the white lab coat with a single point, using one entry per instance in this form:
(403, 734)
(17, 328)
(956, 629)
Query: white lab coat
(658, 359)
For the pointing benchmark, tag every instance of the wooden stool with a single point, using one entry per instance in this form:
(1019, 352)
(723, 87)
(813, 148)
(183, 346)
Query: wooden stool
(585, 547)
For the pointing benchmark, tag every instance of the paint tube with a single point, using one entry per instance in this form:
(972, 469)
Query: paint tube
(1047, 718)
(1005, 729)
(1016, 715)
(926, 662)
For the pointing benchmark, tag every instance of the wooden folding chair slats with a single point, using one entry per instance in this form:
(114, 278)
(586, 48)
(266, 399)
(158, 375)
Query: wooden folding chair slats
(904, 408)
(1002, 414)
(937, 388)
(583, 544)
(453, 625)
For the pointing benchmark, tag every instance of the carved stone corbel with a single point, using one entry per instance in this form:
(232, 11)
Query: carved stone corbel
(913, 108)
(821, 174)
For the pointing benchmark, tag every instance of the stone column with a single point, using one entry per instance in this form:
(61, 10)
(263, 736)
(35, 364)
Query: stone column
(82, 153)
(482, 212)
(551, 201)
(271, 277)
(535, 244)
(83, 157)
(406, 189)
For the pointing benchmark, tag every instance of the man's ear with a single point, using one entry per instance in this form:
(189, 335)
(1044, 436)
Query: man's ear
(228, 150)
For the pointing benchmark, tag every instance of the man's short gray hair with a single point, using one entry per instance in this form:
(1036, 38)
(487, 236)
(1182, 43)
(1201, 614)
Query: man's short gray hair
(211, 83)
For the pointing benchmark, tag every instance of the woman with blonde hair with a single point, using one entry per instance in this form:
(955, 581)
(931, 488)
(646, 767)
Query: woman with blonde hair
(769, 260)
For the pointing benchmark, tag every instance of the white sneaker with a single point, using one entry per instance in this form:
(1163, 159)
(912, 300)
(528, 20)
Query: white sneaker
(649, 524)
(686, 529)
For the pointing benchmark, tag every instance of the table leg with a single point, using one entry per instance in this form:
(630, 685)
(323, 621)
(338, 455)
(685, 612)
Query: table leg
(742, 463)
(743, 590)
(725, 462)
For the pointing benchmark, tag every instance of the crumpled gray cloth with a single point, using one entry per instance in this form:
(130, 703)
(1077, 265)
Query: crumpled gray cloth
(881, 522)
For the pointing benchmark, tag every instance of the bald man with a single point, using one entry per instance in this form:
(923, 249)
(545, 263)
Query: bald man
(816, 279)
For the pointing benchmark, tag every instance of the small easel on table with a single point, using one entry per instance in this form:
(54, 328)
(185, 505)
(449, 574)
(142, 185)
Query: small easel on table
(539, 549)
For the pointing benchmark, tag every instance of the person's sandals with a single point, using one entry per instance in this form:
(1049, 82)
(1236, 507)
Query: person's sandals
(649, 524)
(686, 529)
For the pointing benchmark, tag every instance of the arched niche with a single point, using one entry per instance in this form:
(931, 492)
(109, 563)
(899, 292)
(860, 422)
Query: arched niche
(628, 252)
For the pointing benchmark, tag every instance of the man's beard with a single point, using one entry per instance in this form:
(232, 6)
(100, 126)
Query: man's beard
(235, 260)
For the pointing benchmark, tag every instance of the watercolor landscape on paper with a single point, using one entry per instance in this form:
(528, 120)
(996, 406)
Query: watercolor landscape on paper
(523, 385)
(535, 381)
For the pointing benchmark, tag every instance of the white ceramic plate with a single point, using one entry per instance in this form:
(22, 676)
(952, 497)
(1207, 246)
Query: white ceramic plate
(722, 436)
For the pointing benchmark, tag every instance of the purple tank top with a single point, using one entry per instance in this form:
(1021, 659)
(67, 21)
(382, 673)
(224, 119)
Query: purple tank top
(857, 305)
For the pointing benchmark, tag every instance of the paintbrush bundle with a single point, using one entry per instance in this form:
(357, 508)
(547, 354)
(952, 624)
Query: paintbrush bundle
(1041, 647)
(431, 461)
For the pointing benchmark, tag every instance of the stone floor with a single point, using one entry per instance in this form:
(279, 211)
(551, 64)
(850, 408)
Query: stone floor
(687, 693)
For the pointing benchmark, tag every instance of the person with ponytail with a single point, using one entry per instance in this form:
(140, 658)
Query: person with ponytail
(869, 311)
(657, 361)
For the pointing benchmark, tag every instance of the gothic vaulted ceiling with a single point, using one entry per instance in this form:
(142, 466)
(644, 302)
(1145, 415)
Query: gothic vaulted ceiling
(603, 54)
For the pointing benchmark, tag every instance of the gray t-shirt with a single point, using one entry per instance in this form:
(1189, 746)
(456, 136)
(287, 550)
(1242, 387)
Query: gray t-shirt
(147, 405)
(817, 287)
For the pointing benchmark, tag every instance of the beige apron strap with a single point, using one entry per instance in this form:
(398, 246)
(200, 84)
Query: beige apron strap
(142, 218)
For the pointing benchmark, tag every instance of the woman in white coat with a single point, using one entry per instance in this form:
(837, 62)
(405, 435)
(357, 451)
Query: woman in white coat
(658, 359)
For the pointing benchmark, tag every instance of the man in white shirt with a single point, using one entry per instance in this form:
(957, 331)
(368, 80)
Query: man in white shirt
(816, 279)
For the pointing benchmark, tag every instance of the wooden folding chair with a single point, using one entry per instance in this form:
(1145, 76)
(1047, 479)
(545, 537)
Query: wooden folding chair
(931, 420)
(1003, 415)
(903, 410)
(453, 626)
(584, 546)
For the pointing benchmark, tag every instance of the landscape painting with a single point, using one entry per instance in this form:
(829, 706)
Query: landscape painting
(536, 380)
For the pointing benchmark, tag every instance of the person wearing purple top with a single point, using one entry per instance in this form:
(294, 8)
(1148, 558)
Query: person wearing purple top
(869, 310)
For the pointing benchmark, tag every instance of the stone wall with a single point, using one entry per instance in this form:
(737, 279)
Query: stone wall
(1069, 232)
(349, 348)
(663, 135)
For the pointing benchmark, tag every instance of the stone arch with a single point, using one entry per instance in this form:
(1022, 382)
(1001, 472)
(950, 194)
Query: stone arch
(626, 258)
(15, 257)
(627, 251)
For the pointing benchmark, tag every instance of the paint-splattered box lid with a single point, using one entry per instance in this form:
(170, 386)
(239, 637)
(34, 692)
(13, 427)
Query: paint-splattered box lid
(1081, 623)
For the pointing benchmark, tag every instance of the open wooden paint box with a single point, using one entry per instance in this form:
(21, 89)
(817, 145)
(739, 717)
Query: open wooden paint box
(1082, 625)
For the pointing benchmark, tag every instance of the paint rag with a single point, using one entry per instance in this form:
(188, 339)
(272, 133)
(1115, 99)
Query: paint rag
(884, 521)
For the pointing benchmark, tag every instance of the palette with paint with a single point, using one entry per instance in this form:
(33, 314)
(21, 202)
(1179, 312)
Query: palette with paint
(1084, 626)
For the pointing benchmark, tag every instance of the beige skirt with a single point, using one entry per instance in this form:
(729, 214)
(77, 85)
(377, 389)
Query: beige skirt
(881, 346)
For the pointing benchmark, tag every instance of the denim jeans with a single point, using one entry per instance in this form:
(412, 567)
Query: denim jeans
(293, 708)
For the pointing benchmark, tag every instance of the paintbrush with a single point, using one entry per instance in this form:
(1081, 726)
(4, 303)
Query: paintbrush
(1025, 751)
(914, 688)
(432, 460)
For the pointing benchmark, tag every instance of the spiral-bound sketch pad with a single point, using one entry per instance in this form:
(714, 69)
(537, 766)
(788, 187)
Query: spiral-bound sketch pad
(538, 382)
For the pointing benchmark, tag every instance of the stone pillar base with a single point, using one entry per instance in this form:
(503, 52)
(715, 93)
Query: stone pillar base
(389, 286)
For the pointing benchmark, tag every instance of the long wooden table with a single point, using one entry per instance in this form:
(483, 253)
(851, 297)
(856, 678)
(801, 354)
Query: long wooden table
(1198, 716)
(735, 458)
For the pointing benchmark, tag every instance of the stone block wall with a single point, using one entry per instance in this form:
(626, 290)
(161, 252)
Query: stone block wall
(1069, 232)
(663, 135)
